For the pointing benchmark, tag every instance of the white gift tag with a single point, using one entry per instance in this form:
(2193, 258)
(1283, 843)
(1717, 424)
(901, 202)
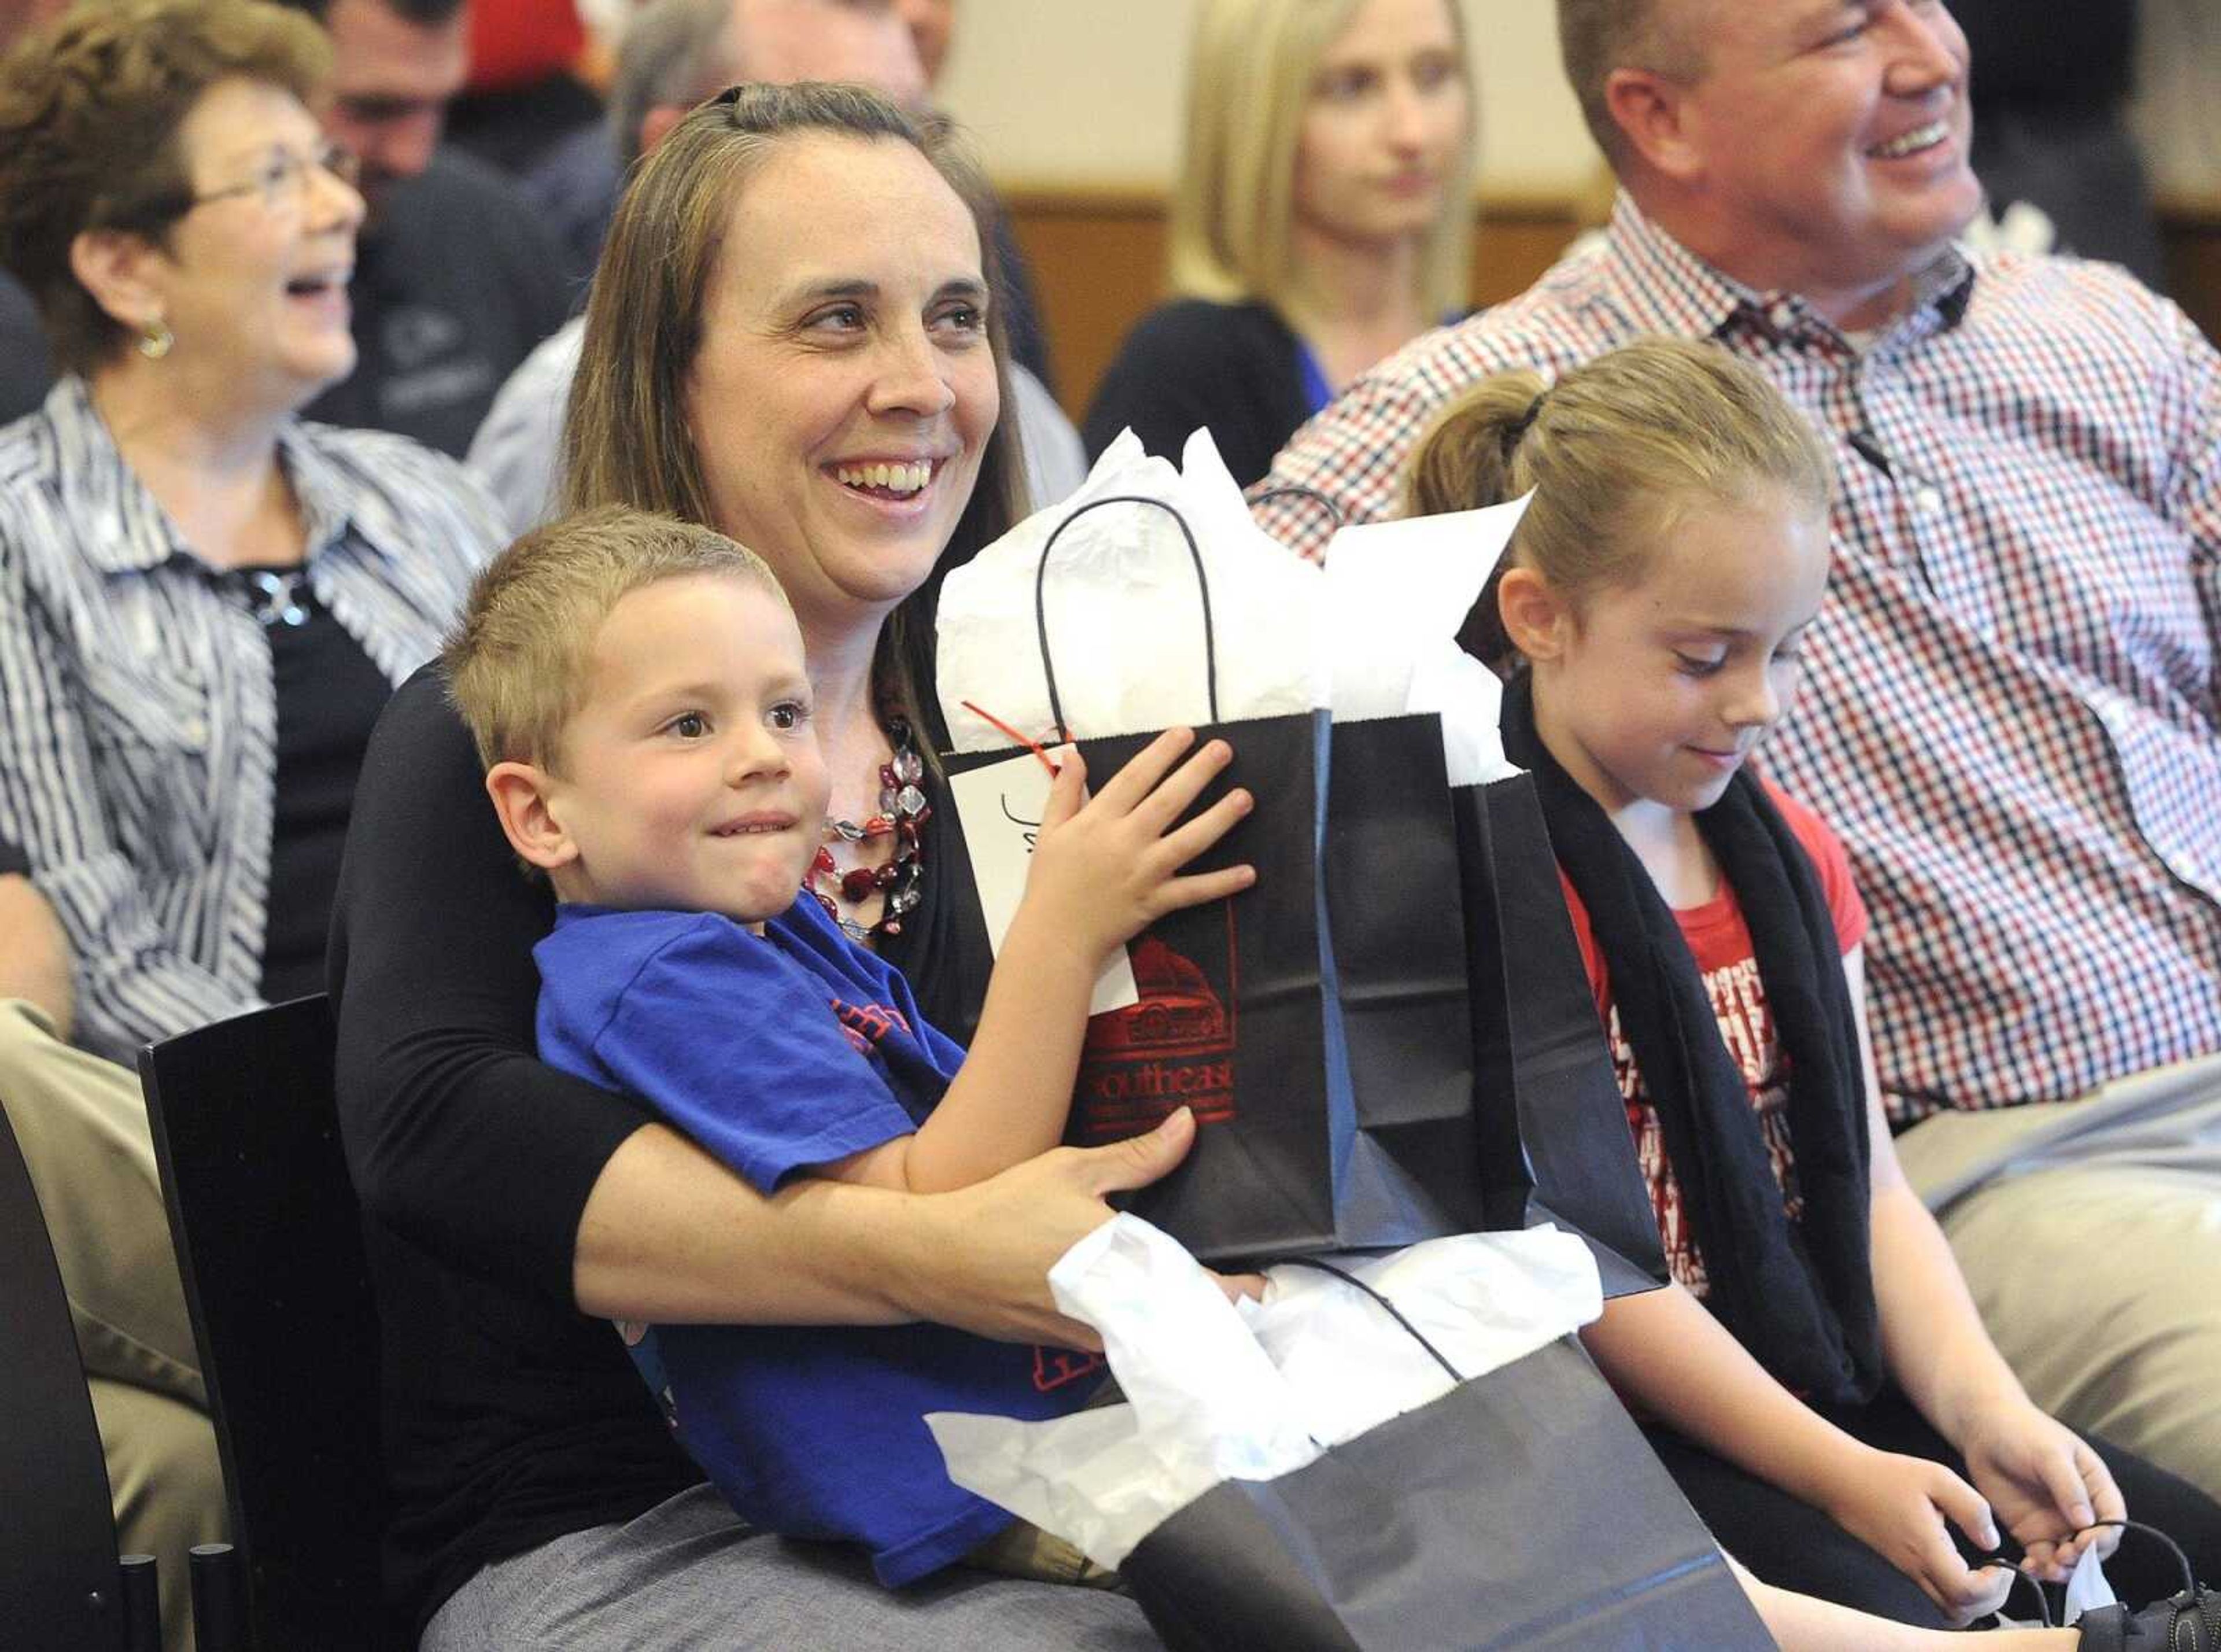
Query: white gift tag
(1000, 807)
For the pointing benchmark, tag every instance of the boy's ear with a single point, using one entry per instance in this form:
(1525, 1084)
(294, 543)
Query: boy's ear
(1536, 618)
(520, 794)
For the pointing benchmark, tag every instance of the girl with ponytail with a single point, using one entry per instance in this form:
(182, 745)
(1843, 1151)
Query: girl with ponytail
(1817, 1368)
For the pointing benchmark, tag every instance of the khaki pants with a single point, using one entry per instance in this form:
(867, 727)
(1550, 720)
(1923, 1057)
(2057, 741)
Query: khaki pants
(82, 1122)
(2090, 1232)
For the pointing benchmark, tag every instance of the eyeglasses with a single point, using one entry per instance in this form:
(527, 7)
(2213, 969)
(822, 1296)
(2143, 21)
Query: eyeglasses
(282, 181)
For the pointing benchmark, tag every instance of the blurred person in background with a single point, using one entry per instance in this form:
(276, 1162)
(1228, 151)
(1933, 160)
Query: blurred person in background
(530, 111)
(674, 54)
(1321, 220)
(455, 278)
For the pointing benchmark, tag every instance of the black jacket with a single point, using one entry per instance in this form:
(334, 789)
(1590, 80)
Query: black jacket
(1235, 369)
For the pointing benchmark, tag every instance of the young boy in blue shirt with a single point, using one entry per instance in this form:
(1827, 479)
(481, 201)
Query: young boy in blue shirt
(637, 689)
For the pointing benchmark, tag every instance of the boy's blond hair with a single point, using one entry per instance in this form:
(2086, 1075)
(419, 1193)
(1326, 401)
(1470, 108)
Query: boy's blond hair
(516, 663)
(1613, 452)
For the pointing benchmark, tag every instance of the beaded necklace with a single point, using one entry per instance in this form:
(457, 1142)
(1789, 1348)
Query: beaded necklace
(903, 810)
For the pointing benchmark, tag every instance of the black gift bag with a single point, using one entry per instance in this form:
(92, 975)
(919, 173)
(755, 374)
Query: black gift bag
(1522, 1510)
(1393, 899)
(1240, 1010)
(1233, 1021)
(1396, 935)
(1553, 1139)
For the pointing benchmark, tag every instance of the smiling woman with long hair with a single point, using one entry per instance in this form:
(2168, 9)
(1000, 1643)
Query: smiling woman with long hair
(793, 339)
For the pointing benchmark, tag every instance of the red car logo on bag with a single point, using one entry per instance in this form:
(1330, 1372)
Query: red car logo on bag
(1172, 1048)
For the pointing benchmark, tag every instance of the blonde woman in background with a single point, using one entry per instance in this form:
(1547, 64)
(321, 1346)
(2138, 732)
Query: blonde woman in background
(1320, 220)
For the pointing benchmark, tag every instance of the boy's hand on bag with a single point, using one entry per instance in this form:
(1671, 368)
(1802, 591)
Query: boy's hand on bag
(1106, 867)
(1898, 1506)
(2046, 1484)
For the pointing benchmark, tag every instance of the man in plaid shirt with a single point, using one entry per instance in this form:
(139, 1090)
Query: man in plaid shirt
(2013, 713)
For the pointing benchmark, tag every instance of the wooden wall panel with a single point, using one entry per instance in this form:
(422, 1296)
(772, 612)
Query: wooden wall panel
(1099, 267)
(1098, 259)
(2192, 233)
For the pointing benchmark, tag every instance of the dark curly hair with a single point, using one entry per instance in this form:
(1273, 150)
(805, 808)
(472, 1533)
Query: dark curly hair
(89, 108)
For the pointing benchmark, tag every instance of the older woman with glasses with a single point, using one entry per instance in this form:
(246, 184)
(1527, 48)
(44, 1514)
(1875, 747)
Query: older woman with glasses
(204, 602)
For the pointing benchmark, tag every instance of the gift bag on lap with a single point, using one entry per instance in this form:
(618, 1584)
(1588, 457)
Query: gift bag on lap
(1520, 1511)
(1394, 902)
(1552, 1136)
(1407, 1452)
(1232, 1020)
(1239, 1012)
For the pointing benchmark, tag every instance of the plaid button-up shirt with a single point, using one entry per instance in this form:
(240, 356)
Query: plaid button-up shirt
(2011, 709)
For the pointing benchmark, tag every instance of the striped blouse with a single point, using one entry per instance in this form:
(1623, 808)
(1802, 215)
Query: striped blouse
(138, 718)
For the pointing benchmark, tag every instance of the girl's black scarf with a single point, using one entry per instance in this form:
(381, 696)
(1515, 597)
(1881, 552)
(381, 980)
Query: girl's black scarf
(1799, 1297)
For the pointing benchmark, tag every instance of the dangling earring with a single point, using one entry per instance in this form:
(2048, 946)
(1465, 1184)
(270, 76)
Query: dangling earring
(156, 339)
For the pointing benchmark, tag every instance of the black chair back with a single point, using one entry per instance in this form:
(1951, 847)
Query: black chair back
(59, 1584)
(269, 1246)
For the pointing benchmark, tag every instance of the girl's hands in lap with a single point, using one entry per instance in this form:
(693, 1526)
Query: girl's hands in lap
(1898, 1506)
(2045, 1483)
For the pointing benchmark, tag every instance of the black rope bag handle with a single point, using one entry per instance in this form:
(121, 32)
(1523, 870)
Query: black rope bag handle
(1041, 604)
(1390, 1308)
(2189, 1578)
(1298, 491)
(1202, 580)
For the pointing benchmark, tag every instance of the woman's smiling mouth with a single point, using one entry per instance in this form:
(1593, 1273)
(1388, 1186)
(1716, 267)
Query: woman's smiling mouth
(893, 480)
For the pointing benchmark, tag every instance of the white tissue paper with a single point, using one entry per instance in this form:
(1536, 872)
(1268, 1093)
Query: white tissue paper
(1484, 1299)
(2086, 1591)
(1215, 1391)
(1124, 617)
(1393, 585)
(1469, 696)
(1372, 635)
(2087, 1588)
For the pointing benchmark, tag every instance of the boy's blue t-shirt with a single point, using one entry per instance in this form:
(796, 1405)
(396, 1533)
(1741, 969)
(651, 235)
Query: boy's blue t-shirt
(778, 1052)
